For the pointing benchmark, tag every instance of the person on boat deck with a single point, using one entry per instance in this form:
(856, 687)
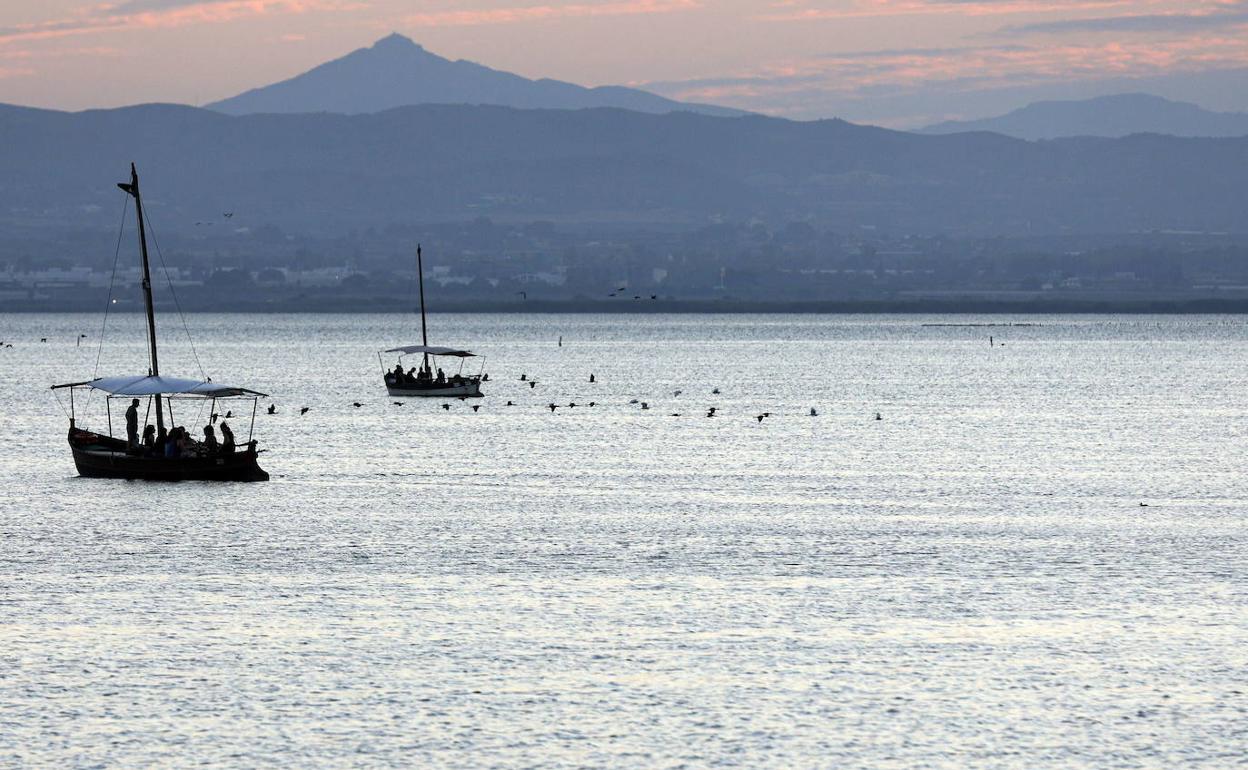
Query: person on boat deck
(424, 373)
(210, 440)
(227, 439)
(398, 374)
(171, 444)
(441, 375)
(149, 439)
(132, 425)
(411, 374)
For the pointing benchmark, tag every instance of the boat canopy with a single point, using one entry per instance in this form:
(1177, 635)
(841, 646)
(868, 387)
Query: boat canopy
(146, 385)
(431, 350)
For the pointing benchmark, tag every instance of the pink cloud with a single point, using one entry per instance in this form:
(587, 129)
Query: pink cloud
(112, 17)
(475, 17)
(799, 11)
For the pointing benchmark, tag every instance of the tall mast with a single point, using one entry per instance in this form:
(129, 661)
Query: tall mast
(133, 189)
(424, 329)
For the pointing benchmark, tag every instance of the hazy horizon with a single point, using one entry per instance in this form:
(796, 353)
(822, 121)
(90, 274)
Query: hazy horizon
(901, 63)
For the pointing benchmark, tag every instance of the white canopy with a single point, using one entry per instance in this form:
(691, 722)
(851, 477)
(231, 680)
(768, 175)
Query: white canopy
(151, 386)
(431, 350)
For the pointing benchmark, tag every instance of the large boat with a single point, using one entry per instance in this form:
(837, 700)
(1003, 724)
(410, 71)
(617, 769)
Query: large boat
(166, 451)
(422, 380)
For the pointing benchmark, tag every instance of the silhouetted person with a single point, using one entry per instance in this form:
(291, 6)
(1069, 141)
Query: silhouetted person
(227, 439)
(441, 375)
(149, 439)
(210, 440)
(132, 425)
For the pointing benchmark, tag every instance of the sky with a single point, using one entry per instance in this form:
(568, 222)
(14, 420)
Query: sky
(901, 63)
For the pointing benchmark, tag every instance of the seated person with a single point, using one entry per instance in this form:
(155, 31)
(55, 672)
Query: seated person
(210, 440)
(149, 439)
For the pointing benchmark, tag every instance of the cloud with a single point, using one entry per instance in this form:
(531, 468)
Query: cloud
(857, 9)
(1144, 23)
(156, 14)
(806, 87)
(512, 15)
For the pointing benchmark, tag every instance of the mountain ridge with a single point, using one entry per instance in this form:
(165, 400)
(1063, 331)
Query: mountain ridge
(397, 72)
(1112, 116)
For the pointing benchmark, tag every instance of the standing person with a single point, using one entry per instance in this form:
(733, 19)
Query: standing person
(227, 439)
(132, 425)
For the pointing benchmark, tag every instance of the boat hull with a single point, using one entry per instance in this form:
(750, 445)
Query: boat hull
(467, 389)
(101, 457)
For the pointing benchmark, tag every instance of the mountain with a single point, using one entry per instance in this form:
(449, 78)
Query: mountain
(331, 174)
(1110, 116)
(396, 72)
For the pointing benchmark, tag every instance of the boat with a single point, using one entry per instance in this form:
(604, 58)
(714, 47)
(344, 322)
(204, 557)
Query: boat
(102, 455)
(422, 380)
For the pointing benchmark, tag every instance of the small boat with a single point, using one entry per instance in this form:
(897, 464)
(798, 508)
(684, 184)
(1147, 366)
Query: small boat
(164, 457)
(422, 380)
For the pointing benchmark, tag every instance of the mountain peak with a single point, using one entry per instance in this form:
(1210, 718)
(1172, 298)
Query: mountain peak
(396, 71)
(396, 42)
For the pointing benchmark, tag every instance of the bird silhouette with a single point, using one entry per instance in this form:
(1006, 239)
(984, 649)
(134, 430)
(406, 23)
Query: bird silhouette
(475, 407)
(509, 403)
(715, 392)
(813, 413)
(213, 417)
(571, 404)
(634, 401)
(592, 403)
(397, 403)
(654, 296)
(710, 412)
(591, 377)
(532, 384)
(644, 405)
(760, 417)
(674, 414)
(272, 408)
(677, 393)
(43, 339)
(356, 404)
(552, 407)
(447, 407)
(228, 215)
(228, 414)
(878, 416)
(304, 410)
(523, 377)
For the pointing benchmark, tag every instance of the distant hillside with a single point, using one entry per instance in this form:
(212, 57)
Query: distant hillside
(1108, 116)
(396, 72)
(324, 173)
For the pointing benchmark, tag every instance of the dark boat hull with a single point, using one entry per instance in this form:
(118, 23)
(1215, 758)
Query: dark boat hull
(102, 457)
(467, 388)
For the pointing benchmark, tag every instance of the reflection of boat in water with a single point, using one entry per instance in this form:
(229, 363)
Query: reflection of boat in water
(171, 454)
(422, 380)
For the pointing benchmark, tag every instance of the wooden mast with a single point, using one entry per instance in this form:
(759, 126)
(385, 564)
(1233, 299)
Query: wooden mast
(424, 329)
(133, 189)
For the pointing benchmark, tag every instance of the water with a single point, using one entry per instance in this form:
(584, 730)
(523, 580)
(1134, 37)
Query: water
(970, 581)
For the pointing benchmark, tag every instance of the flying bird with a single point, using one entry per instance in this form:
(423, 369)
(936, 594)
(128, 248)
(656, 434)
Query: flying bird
(475, 407)
(304, 410)
(397, 403)
(228, 215)
(356, 404)
(447, 407)
(552, 407)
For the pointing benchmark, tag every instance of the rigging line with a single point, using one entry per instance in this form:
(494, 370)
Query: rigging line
(112, 282)
(177, 305)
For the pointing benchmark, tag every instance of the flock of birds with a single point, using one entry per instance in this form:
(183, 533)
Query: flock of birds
(711, 411)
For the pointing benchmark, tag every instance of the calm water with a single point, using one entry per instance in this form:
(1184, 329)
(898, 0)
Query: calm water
(970, 581)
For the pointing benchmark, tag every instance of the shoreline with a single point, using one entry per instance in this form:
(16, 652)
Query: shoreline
(1141, 306)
